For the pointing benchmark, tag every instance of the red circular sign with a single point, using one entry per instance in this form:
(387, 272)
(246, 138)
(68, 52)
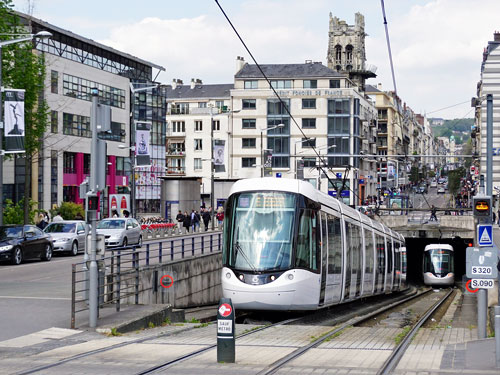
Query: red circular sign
(470, 290)
(168, 277)
(225, 309)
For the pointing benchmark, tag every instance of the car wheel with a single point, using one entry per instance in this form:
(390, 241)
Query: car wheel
(17, 256)
(139, 243)
(74, 249)
(125, 242)
(47, 253)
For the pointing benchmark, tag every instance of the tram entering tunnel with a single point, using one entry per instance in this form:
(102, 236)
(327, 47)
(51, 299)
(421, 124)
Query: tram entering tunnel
(415, 252)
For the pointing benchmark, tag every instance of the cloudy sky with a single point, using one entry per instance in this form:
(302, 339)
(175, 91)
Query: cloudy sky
(437, 45)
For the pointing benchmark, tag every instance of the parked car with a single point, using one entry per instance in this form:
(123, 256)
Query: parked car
(434, 184)
(422, 189)
(441, 190)
(67, 236)
(20, 242)
(120, 232)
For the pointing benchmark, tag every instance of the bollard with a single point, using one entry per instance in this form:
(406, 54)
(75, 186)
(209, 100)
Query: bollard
(497, 334)
(225, 331)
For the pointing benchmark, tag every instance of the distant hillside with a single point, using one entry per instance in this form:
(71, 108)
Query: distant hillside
(459, 128)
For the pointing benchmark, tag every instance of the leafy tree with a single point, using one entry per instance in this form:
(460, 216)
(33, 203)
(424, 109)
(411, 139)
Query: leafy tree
(454, 180)
(432, 174)
(14, 212)
(68, 210)
(414, 175)
(24, 69)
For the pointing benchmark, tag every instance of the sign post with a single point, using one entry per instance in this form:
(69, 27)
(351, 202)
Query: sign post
(225, 331)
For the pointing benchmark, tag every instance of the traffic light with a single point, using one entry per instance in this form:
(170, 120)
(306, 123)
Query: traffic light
(92, 203)
(482, 206)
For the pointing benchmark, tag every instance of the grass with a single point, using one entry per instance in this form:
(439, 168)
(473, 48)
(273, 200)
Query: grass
(201, 325)
(337, 334)
(114, 332)
(151, 325)
(194, 320)
(402, 335)
(251, 329)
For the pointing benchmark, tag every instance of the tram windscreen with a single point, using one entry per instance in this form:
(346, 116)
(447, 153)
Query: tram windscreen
(438, 261)
(262, 231)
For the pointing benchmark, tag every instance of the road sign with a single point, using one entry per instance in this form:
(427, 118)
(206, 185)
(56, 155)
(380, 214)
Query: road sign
(485, 235)
(481, 262)
(482, 283)
(225, 309)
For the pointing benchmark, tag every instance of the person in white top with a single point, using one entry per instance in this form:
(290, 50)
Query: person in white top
(58, 217)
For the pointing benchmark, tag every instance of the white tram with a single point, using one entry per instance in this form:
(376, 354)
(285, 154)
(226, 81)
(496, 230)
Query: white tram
(439, 265)
(288, 246)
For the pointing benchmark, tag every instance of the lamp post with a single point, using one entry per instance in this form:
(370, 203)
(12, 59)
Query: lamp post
(26, 38)
(262, 147)
(295, 152)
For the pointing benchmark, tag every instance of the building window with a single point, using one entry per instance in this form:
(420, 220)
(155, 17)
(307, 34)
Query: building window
(198, 125)
(281, 84)
(54, 124)
(308, 142)
(69, 160)
(308, 103)
(248, 162)
(176, 148)
(53, 177)
(335, 83)
(251, 85)
(202, 105)
(309, 162)
(76, 125)
(248, 123)
(219, 104)
(54, 82)
(76, 87)
(216, 125)
(310, 84)
(308, 123)
(338, 125)
(248, 143)
(198, 146)
(249, 104)
(339, 107)
(178, 127)
(276, 107)
(120, 166)
(197, 164)
(86, 163)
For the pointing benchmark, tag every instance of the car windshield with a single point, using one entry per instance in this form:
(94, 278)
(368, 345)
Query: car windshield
(111, 224)
(10, 232)
(60, 228)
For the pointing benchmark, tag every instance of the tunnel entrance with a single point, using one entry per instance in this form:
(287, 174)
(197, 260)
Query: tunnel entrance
(415, 249)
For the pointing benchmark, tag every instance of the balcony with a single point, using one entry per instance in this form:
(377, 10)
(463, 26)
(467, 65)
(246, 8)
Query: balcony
(180, 171)
(172, 134)
(176, 153)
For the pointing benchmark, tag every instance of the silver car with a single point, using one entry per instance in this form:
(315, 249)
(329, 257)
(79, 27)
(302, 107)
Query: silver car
(120, 232)
(67, 235)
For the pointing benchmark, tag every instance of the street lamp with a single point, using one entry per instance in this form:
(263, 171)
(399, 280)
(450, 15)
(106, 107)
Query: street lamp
(262, 147)
(25, 38)
(295, 152)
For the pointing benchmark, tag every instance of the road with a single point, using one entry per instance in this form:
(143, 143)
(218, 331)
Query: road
(37, 295)
(426, 201)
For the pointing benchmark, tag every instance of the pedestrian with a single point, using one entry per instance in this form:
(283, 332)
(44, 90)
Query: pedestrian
(41, 221)
(115, 214)
(498, 217)
(206, 218)
(220, 216)
(58, 217)
(186, 223)
(78, 216)
(197, 220)
(180, 221)
(433, 213)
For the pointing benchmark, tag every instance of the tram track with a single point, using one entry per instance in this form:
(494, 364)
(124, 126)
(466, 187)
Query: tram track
(273, 368)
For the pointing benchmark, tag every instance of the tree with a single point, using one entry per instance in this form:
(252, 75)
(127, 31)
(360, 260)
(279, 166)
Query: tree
(414, 175)
(24, 69)
(14, 212)
(68, 210)
(454, 178)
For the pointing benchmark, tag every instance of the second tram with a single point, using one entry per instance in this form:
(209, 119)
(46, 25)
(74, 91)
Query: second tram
(438, 267)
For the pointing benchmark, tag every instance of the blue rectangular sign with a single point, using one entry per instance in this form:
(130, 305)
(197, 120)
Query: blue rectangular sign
(485, 235)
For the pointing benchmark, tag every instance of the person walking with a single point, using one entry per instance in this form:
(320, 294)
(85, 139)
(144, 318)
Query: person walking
(206, 218)
(197, 219)
(41, 221)
(220, 217)
(498, 217)
(180, 221)
(186, 223)
(433, 214)
(58, 217)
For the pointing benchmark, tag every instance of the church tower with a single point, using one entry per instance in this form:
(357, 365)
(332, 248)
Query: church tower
(346, 49)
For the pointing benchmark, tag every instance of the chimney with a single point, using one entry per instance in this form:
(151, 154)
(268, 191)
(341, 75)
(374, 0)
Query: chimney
(193, 83)
(240, 63)
(379, 86)
(496, 36)
(308, 62)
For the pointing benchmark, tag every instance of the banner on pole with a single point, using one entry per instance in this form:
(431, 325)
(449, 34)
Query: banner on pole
(218, 156)
(268, 163)
(14, 120)
(142, 144)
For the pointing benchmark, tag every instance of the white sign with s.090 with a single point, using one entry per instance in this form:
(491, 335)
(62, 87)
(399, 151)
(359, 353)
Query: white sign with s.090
(482, 283)
(479, 270)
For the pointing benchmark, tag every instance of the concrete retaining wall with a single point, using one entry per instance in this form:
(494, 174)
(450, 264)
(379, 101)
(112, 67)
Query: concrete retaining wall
(196, 282)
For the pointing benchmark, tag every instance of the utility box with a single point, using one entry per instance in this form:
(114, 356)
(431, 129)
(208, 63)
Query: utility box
(225, 331)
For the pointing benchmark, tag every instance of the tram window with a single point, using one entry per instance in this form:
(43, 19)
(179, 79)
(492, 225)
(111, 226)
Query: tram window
(380, 254)
(368, 250)
(334, 245)
(389, 255)
(355, 246)
(306, 256)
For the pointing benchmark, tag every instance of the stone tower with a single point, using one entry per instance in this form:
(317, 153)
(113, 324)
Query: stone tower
(346, 49)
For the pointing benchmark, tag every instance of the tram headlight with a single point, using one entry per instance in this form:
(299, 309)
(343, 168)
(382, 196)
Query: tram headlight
(241, 277)
(228, 275)
(290, 276)
(449, 275)
(273, 277)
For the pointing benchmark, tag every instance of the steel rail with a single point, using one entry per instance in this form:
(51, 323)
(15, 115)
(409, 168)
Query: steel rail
(390, 363)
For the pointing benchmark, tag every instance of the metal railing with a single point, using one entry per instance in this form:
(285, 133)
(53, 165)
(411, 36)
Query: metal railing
(119, 269)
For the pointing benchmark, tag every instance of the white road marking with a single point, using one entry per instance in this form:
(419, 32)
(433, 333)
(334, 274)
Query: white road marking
(39, 337)
(42, 298)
